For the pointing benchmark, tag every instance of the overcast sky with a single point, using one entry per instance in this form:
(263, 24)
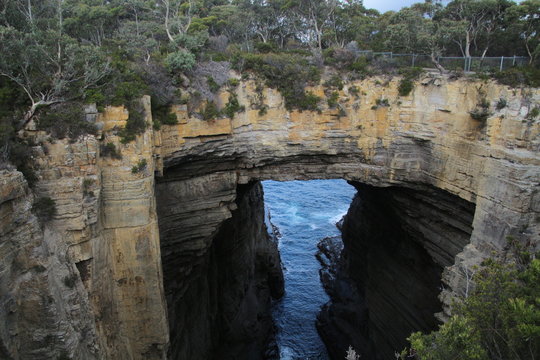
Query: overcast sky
(385, 5)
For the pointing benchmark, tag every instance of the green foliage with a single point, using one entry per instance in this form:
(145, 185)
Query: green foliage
(516, 77)
(66, 120)
(86, 185)
(405, 87)
(44, 208)
(501, 104)
(110, 150)
(499, 320)
(180, 61)
(265, 47)
(533, 114)
(94, 96)
(406, 84)
(335, 81)
(381, 102)
(354, 90)
(212, 84)
(233, 82)
(135, 124)
(128, 90)
(480, 114)
(233, 106)
(333, 100)
(161, 114)
(360, 66)
(289, 73)
(141, 165)
(210, 111)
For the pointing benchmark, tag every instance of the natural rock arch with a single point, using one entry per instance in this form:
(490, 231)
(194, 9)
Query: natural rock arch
(481, 180)
(106, 241)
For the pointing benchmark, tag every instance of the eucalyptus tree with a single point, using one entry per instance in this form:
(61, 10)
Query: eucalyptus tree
(411, 30)
(47, 64)
(524, 23)
(468, 20)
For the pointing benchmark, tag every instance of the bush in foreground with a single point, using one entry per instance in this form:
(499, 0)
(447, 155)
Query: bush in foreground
(500, 320)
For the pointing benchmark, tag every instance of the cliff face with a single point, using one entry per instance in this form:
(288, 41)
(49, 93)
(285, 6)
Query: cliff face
(90, 283)
(221, 268)
(397, 243)
(484, 176)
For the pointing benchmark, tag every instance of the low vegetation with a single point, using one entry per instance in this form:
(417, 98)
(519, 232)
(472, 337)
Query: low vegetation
(140, 166)
(499, 320)
(406, 84)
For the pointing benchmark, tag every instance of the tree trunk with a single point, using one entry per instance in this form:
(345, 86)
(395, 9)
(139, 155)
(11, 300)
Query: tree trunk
(468, 44)
(167, 9)
(437, 64)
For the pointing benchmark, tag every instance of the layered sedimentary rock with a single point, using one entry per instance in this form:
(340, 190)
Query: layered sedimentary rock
(397, 243)
(220, 276)
(105, 234)
(86, 284)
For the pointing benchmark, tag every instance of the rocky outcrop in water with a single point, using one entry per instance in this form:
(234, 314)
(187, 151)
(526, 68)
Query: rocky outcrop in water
(421, 147)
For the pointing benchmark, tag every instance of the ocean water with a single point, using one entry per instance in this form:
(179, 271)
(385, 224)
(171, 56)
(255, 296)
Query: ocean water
(304, 212)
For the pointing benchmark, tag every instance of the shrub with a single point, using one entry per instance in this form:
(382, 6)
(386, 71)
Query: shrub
(135, 124)
(210, 111)
(355, 91)
(308, 101)
(289, 73)
(516, 77)
(360, 65)
(533, 114)
(333, 99)
(92, 96)
(170, 119)
(161, 114)
(110, 150)
(501, 104)
(480, 114)
(65, 121)
(212, 84)
(265, 47)
(86, 184)
(128, 90)
(44, 208)
(499, 320)
(406, 84)
(233, 106)
(382, 102)
(233, 82)
(181, 60)
(141, 165)
(335, 82)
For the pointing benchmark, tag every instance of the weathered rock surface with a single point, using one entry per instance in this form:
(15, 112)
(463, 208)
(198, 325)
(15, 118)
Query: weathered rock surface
(219, 299)
(107, 235)
(397, 242)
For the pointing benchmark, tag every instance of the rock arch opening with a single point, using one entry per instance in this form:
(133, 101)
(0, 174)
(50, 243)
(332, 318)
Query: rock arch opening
(221, 270)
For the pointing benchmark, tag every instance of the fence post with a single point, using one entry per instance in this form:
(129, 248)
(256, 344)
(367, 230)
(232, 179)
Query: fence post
(502, 63)
(514, 61)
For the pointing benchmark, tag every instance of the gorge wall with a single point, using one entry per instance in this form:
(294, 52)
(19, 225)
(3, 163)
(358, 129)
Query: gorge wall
(89, 282)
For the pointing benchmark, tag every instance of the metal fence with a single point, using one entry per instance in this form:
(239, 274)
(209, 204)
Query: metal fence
(474, 63)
